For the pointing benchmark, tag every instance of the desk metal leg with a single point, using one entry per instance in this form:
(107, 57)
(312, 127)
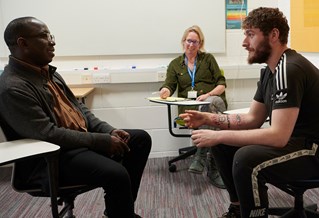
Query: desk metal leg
(183, 152)
(52, 161)
(82, 100)
(191, 151)
(170, 127)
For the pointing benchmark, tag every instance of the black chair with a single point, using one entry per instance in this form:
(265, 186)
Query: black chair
(65, 195)
(18, 151)
(183, 154)
(297, 190)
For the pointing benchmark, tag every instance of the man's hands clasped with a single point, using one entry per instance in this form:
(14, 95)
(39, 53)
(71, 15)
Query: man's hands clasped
(119, 140)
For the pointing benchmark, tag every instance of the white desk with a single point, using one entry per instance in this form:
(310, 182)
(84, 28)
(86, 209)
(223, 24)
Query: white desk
(23, 148)
(177, 103)
(17, 150)
(184, 152)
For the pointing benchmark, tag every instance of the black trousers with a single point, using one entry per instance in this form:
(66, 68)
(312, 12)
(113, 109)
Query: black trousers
(119, 179)
(246, 170)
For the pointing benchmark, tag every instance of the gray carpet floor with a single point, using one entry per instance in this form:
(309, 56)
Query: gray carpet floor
(162, 195)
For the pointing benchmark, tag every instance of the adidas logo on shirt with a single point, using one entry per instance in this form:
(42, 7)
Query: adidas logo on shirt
(281, 98)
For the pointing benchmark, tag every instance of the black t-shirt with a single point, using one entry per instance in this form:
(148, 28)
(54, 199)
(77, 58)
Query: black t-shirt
(295, 83)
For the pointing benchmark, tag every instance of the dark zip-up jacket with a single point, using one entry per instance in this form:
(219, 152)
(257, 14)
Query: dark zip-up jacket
(26, 111)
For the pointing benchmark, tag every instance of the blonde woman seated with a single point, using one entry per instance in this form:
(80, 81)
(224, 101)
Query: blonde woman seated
(196, 74)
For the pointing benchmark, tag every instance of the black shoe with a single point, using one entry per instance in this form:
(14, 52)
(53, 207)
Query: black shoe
(105, 215)
(233, 212)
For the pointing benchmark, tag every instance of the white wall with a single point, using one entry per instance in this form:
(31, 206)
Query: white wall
(93, 23)
(124, 105)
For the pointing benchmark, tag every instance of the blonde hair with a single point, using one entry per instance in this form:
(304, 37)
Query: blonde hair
(196, 29)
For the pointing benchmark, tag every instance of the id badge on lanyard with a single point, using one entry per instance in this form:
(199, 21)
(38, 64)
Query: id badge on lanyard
(193, 93)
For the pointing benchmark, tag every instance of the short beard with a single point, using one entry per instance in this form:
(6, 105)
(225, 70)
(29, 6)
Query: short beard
(261, 53)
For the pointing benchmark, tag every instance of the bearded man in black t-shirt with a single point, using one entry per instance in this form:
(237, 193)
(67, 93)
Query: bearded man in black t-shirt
(248, 156)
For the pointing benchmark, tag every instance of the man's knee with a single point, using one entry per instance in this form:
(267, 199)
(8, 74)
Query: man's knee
(140, 139)
(140, 134)
(244, 161)
(146, 138)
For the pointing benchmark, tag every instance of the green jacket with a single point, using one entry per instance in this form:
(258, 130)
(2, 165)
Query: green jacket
(207, 77)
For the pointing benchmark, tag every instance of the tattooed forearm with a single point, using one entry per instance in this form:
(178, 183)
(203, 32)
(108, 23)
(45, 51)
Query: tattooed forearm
(220, 120)
(228, 121)
(238, 120)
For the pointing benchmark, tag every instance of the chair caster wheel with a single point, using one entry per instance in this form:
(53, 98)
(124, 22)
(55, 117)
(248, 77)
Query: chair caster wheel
(172, 168)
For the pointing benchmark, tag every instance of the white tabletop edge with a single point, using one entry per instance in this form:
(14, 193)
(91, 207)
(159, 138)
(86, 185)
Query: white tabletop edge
(185, 103)
(13, 150)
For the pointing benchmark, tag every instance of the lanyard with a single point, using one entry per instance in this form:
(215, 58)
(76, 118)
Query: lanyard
(190, 72)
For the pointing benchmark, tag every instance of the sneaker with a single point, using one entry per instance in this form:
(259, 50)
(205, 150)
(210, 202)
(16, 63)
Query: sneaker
(233, 212)
(213, 174)
(197, 165)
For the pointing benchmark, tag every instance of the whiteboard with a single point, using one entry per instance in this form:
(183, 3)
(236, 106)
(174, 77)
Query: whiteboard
(121, 27)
